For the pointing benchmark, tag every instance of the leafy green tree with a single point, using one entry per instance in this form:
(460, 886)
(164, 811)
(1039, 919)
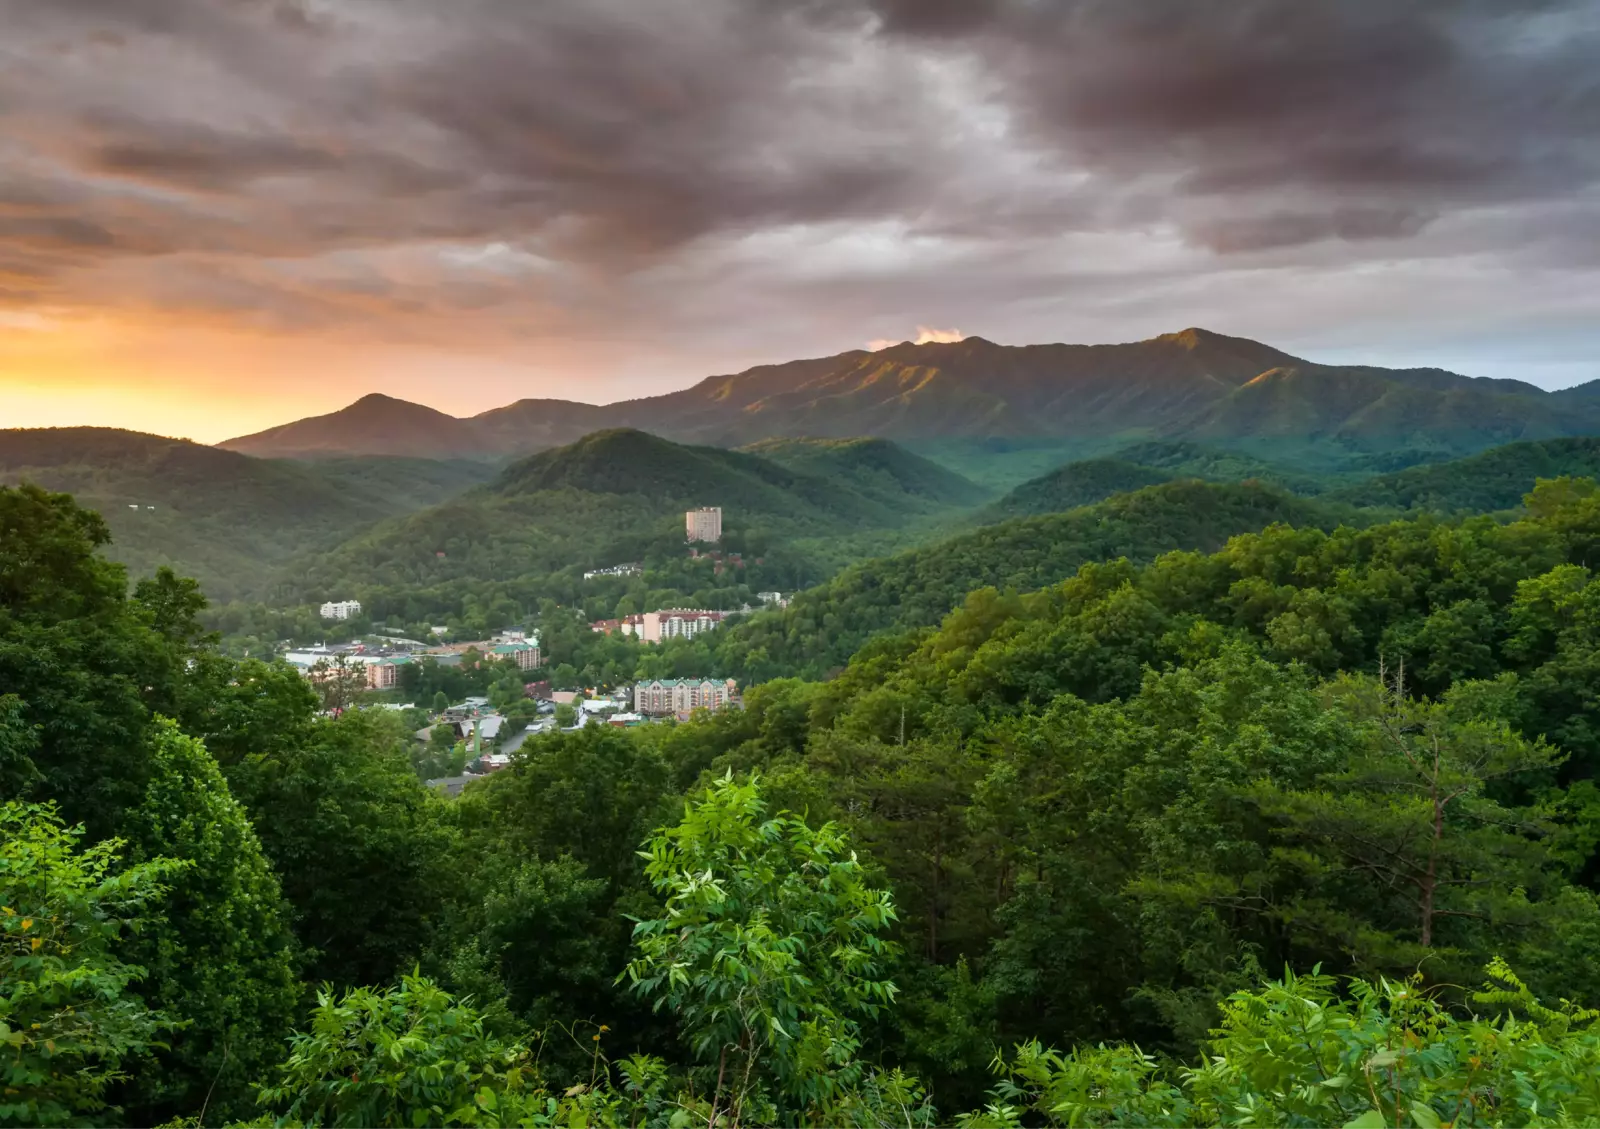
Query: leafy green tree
(76, 655)
(70, 1022)
(407, 1055)
(247, 712)
(440, 702)
(339, 681)
(361, 846)
(220, 955)
(539, 941)
(1402, 852)
(768, 953)
(909, 805)
(17, 741)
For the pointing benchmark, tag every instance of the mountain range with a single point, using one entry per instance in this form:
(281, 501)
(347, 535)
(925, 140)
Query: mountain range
(1191, 385)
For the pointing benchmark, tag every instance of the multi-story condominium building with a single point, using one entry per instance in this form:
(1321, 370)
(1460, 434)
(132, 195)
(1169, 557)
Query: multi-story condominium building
(681, 696)
(615, 570)
(384, 674)
(526, 655)
(677, 623)
(704, 524)
(341, 609)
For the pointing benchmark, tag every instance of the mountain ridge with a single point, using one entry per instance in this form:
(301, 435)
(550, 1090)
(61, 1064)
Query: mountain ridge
(224, 517)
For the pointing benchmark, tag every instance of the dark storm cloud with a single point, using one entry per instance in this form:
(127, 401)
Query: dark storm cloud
(423, 156)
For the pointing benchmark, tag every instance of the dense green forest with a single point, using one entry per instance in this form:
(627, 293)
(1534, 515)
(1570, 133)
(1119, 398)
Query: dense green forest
(825, 625)
(499, 552)
(227, 519)
(1494, 480)
(1295, 826)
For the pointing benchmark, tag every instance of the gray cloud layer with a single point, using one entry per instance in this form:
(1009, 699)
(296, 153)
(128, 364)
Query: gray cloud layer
(717, 178)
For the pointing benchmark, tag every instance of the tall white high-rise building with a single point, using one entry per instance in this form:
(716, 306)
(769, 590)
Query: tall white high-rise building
(341, 609)
(704, 524)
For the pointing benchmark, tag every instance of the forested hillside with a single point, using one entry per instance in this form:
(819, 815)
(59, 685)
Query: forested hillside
(1081, 483)
(874, 467)
(223, 517)
(1493, 480)
(619, 496)
(826, 624)
(1315, 806)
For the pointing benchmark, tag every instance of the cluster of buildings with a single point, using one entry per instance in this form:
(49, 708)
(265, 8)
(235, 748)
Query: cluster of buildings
(677, 623)
(633, 569)
(719, 560)
(341, 609)
(668, 623)
(382, 666)
(492, 742)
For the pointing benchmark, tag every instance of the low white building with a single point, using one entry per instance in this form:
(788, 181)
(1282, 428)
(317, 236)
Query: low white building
(341, 609)
(614, 570)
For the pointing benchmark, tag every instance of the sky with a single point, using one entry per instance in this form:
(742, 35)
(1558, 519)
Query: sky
(220, 215)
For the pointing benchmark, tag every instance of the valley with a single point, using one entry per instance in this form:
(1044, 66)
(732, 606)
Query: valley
(409, 636)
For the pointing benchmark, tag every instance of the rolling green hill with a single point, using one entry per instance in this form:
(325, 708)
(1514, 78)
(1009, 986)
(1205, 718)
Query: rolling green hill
(632, 463)
(225, 518)
(875, 468)
(1493, 480)
(619, 495)
(825, 625)
(1082, 483)
(1087, 481)
(403, 484)
(1192, 460)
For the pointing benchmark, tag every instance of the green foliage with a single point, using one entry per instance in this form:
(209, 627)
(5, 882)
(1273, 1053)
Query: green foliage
(876, 468)
(360, 845)
(75, 656)
(767, 952)
(824, 626)
(1104, 804)
(1293, 1052)
(219, 955)
(17, 741)
(70, 1024)
(407, 1055)
(536, 920)
(1494, 480)
(1411, 810)
(1076, 484)
(226, 518)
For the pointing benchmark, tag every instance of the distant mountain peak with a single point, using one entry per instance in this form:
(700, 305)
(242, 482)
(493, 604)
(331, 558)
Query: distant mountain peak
(1193, 337)
(376, 424)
